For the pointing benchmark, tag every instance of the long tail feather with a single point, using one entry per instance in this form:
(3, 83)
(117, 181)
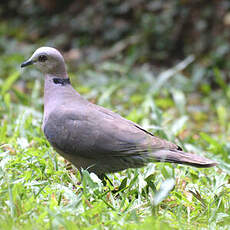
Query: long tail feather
(180, 157)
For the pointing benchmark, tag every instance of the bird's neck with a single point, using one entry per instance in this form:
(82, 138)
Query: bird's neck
(56, 90)
(55, 83)
(56, 87)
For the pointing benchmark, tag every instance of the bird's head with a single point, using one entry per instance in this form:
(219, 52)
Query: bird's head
(48, 60)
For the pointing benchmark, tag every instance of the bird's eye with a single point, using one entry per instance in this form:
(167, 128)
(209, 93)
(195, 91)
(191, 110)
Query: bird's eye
(42, 58)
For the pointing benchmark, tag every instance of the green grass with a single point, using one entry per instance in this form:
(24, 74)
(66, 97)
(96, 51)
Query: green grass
(40, 190)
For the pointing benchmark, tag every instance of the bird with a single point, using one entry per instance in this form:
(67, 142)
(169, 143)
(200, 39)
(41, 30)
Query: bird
(92, 137)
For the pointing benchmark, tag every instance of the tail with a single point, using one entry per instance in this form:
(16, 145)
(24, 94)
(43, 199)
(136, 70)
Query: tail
(180, 157)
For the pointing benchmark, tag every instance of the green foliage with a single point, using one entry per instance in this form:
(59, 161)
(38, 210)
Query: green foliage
(39, 190)
(115, 52)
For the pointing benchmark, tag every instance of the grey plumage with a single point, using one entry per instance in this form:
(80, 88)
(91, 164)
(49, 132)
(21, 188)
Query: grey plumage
(95, 138)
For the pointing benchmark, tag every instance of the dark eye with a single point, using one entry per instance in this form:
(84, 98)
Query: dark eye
(42, 58)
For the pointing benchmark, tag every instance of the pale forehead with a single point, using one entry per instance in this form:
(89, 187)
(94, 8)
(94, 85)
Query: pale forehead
(47, 51)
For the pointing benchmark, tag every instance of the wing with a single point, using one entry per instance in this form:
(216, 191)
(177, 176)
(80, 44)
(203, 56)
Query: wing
(93, 132)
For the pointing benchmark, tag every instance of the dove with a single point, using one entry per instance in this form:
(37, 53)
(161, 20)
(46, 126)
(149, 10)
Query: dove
(93, 137)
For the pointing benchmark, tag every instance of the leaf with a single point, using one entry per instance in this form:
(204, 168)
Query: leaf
(9, 82)
(222, 115)
(197, 195)
(219, 79)
(179, 124)
(123, 184)
(179, 99)
(164, 191)
(210, 140)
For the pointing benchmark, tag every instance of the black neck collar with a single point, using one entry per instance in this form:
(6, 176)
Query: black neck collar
(61, 81)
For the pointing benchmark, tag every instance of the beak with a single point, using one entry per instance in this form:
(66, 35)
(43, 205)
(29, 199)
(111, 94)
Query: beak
(26, 63)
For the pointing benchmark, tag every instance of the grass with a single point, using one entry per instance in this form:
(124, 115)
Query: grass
(40, 190)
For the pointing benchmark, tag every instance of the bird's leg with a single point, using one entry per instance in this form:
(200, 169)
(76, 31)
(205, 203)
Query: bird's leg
(103, 178)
